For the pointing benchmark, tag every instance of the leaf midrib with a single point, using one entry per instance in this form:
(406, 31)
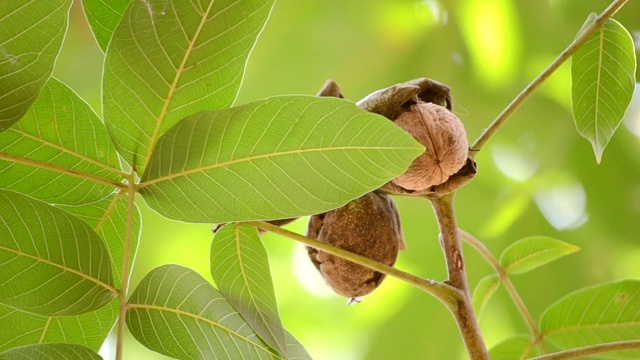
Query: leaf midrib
(578, 327)
(62, 267)
(562, 251)
(173, 87)
(264, 156)
(198, 318)
(265, 321)
(64, 150)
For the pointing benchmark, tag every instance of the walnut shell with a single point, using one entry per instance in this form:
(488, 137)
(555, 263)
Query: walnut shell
(443, 134)
(368, 226)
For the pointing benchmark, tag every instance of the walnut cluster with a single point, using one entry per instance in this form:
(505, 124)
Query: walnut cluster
(370, 225)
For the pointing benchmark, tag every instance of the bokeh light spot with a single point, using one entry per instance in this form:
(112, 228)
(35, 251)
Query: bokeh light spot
(490, 30)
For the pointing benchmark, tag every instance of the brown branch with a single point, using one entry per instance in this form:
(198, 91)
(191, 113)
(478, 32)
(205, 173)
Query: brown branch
(452, 248)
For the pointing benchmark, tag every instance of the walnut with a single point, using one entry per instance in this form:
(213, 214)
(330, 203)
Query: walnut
(445, 139)
(368, 226)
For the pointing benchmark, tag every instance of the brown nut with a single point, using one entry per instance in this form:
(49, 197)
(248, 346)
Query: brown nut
(368, 226)
(445, 139)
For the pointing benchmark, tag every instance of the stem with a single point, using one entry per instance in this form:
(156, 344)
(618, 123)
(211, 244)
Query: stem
(582, 38)
(452, 248)
(60, 169)
(504, 279)
(443, 292)
(126, 265)
(581, 352)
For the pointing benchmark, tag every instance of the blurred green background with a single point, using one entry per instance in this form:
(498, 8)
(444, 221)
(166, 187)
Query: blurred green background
(537, 177)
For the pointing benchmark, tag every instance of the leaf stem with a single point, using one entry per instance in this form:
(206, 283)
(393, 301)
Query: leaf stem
(452, 248)
(443, 292)
(61, 169)
(126, 266)
(504, 279)
(582, 38)
(581, 352)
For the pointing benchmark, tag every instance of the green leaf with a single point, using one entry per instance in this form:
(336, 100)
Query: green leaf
(532, 252)
(483, 292)
(89, 329)
(50, 351)
(103, 17)
(603, 81)
(295, 350)
(31, 34)
(594, 315)
(52, 262)
(513, 348)
(275, 158)
(170, 59)
(177, 313)
(240, 268)
(60, 130)
(108, 218)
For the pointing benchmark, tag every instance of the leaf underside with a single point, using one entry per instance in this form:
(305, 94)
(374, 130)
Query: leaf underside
(599, 314)
(240, 268)
(169, 59)
(530, 253)
(486, 287)
(276, 158)
(176, 312)
(62, 130)
(103, 16)
(31, 35)
(52, 262)
(49, 352)
(603, 82)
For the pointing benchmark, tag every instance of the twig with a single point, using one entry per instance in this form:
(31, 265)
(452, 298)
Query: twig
(443, 292)
(581, 352)
(583, 37)
(504, 279)
(452, 248)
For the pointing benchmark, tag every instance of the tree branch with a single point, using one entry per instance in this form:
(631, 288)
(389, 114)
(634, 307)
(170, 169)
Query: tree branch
(452, 248)
(443, 292)
(582, 38)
